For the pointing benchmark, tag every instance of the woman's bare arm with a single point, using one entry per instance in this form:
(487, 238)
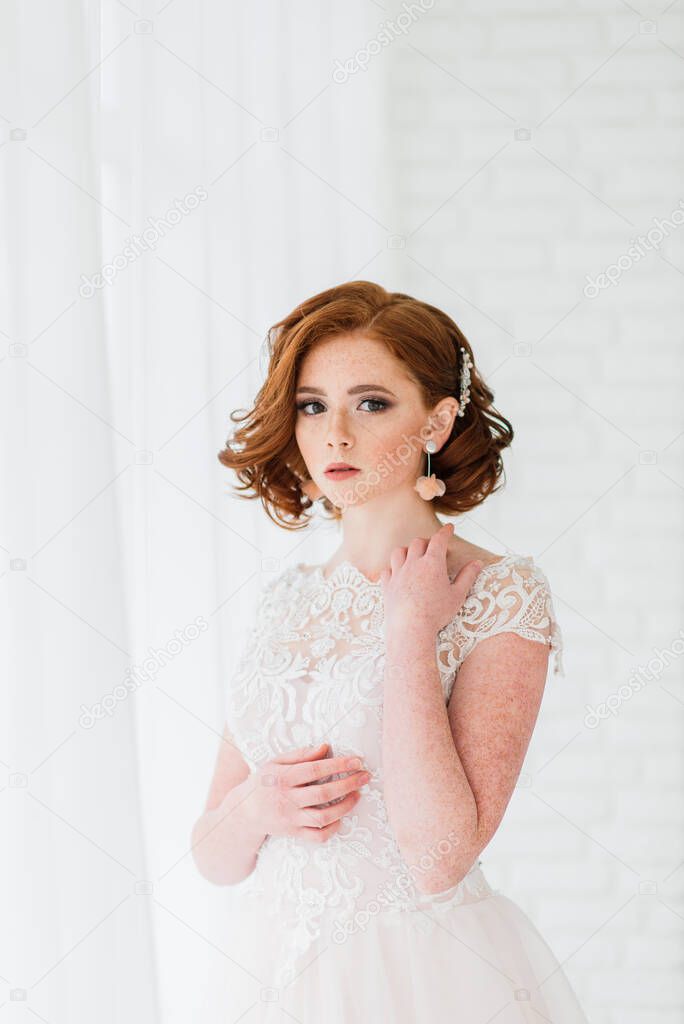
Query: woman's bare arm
(226, 838)
(451, 771)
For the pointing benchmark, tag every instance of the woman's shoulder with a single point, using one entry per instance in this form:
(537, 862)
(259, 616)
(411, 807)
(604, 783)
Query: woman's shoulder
(512, 568)
(511, 593)
(460, 553)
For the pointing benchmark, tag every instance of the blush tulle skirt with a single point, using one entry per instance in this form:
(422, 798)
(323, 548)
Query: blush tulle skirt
(477, 962)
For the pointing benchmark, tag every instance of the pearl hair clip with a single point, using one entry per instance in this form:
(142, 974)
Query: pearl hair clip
(464, 394)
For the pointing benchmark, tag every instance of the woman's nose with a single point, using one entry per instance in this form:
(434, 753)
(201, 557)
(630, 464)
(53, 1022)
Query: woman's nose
(338, 429)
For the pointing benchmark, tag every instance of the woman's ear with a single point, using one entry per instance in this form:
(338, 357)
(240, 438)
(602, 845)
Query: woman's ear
(443, 416)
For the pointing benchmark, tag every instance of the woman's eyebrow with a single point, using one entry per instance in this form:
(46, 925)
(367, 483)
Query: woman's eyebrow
(352, 391)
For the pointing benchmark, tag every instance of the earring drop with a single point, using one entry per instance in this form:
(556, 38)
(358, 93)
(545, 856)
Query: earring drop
(428, 486)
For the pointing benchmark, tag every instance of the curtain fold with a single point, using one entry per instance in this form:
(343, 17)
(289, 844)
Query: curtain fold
(173, 179)
(75, 875)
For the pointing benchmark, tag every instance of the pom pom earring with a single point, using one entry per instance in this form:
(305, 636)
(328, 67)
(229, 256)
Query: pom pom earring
(429, 486)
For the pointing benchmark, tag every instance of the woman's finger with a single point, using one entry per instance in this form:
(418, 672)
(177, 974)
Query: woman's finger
(319, 793)
(397, 558)
(417, 548)
(319, 817)
(439, 541)
(305, 773)
(464, 581)
(301, 754)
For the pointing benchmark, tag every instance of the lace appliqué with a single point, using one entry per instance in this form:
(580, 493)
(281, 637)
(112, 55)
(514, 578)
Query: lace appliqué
(311, 670)
(511, 595)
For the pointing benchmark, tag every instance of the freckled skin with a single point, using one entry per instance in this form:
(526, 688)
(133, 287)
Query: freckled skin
(450, 770)
(345, 429)
(388, 513)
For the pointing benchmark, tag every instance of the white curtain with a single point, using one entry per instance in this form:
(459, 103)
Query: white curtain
(174, 178)
(77, 936)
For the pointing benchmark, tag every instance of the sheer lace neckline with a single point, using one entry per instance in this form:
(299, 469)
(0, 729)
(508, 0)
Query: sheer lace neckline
(347, 569)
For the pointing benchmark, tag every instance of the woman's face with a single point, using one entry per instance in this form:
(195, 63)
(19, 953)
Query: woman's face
(380, 427)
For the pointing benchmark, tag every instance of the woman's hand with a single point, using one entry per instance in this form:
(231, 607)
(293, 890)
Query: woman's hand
(287, 792)
(418, 595)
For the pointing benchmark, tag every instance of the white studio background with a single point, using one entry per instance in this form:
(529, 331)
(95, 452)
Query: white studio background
(486, 160)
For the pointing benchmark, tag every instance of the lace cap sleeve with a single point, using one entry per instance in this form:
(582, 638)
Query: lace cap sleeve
(511, 595)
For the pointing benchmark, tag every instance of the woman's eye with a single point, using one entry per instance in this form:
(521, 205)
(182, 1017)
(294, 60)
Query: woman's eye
(303, 405)
(375, 401)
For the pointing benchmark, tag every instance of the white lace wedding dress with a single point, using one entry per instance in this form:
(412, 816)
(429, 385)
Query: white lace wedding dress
(337, 932)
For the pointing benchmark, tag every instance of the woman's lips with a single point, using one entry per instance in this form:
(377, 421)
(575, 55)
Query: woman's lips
(340, 474)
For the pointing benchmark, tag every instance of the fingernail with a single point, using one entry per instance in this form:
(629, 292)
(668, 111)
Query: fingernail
(354, 762)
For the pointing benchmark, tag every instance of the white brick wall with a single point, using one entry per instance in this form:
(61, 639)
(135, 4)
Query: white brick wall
(597, 810)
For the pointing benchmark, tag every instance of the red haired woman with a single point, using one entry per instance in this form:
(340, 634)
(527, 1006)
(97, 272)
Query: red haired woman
(384, 702)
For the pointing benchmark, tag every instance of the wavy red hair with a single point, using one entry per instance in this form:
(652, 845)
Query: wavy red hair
(263, 452)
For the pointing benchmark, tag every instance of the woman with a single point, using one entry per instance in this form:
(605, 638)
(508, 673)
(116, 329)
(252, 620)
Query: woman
(413, 651)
